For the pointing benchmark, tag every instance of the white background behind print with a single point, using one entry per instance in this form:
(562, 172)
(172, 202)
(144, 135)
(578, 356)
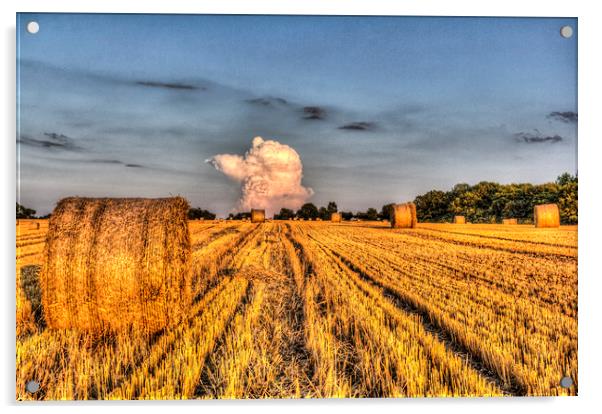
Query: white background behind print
(590, 275)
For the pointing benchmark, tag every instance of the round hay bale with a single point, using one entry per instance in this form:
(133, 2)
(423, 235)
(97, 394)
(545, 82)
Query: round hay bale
(257, 216)
(509, 221)
(459, 220)
(403, 216)
(546, 215)
(336, 217)
(114, 264)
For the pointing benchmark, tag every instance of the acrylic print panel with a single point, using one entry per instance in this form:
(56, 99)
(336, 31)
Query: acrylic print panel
(216, 206)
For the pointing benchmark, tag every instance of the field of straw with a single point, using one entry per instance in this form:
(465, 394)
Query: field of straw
(285, 309)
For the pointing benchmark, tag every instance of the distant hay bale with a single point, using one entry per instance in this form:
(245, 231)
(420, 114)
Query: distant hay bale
(114, 264)
(510, 221)
(546, 215)
(336, 217)
(459, 220)
(403, 216)
(257, 216)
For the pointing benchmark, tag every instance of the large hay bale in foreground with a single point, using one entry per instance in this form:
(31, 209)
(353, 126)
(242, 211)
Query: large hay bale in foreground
(546, 215)
(510, 221)
(403, 216)
(112, 264)
(336, 217)
(257, 216)
(459, 220)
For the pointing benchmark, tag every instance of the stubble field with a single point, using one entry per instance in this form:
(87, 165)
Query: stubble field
(289, 309)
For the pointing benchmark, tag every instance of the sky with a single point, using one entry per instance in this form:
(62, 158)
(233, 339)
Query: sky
(370, 110)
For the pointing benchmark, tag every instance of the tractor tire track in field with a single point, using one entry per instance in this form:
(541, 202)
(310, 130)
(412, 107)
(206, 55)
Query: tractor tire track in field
(204, 388)
(208, 274)
(454, 270)
(345, 368)
(509, 239)
(212, 294)
(214, 236)
(399, 314)
(431, 325)
(530, 253)
(293, 310)
(277, 329)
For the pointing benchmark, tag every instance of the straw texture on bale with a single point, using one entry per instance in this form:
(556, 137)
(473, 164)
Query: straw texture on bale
(115, 264)
(546, 215)
(510, 221)
(336, 217)
(459, 220)
(257, 216)
(403, 216)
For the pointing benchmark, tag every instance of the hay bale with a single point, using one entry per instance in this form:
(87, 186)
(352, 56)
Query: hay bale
(509, 221)
(115, 264)
(546, 215)
(403, 216)
(257, 216)
(336, 217)
(459, 220)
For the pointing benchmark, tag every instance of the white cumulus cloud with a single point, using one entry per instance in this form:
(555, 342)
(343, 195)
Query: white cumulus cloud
(270, 175)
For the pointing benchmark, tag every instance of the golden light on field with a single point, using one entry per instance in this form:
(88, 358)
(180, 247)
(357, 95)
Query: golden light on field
(318, 309)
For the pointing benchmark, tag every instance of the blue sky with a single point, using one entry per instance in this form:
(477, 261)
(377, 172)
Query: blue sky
(133, 105)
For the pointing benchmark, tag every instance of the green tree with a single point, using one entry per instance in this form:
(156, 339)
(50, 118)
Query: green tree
(370, 214)
(240, 215)
(198, 213)
(285, 214)
(308, 211)
(347, 215)
(386, 211)
(433, 206)
(24, 212)
(323, 213)
(565, 179)
(568, 192)
(488, 202)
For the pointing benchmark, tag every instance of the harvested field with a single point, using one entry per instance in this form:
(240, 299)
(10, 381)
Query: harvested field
(287, 309)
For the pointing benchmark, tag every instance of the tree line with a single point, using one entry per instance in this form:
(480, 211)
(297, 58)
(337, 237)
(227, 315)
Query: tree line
(489, 202)
(485, 202)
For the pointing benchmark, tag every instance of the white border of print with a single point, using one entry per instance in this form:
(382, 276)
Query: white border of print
(590, 225)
